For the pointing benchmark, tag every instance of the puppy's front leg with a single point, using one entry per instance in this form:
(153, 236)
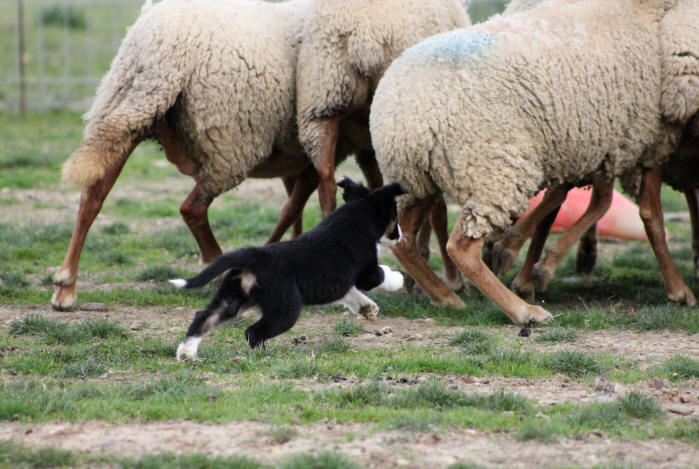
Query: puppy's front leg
(359, 303)
(392, 280)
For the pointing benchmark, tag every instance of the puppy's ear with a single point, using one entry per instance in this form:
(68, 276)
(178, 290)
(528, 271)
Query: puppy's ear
(352, 190)
(396, 189)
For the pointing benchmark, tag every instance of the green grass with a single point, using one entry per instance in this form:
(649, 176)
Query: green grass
(556, 335)
(348, 327)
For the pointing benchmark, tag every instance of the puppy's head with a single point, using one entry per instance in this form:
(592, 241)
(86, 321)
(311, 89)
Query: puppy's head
(386, 201)
(352, 190)
(383, 202)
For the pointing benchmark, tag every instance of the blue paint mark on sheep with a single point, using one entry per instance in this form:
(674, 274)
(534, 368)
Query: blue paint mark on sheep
(455, 45)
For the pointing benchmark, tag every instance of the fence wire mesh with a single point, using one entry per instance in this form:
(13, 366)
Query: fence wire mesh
(53, 53)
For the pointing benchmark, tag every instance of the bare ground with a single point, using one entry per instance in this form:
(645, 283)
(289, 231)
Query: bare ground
(361, 443)
(372, 449)
(380, 448)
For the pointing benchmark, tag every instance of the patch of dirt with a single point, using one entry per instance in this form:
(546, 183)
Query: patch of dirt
(369, 448)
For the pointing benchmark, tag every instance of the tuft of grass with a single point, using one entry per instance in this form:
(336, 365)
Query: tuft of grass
(116, 229)
(161, 273)
(556, 335)
(348, 327)
(282, 434)
(62, 333)
(13, 279)
(332, 346)
(298, 369)
(63, 15)
(474, 341)
(538, 431)
(572, 363)
(464, 465)
(14, 455)
(189, 461)
(614, 414)
(324, 460)
(680, 367)
(83, 369)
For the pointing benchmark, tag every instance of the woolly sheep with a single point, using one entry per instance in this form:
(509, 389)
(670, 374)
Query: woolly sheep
(345, 50)
(214, 83)
(681, 171)
(546, 97)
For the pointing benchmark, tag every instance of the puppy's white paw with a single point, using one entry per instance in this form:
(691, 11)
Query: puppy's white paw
(187, 350)
(392, 281)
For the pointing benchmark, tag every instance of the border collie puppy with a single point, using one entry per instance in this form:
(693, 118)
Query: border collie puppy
(322, 266)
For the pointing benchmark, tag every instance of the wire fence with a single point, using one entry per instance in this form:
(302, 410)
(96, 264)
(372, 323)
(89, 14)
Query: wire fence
(54, 52)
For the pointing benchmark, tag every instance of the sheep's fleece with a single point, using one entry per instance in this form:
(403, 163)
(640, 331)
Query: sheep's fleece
(224, 69)
(347, 45)
(569, 90)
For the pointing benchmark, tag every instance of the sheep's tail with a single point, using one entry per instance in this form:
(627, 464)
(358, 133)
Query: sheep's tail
(233, 260)
(141, 85)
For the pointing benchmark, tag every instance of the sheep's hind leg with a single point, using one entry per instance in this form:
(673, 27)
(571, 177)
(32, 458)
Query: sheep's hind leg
(91, 200)
(410, 217)
(466, 253)
(194, 209)
(692, 196)
(299, 188)
(587, 251)
(523, 283)
(600, 201)
(327, 188)
(504, 251)
(652, 216)
(438, 220)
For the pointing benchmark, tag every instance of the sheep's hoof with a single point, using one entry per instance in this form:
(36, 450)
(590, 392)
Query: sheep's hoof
(455, 284)
(683, 296)
(501, 258)
(411, 285)
(536, 315)
(542, 277)
(451, 301)
(585, 261)
(524, 290)
(64, 298)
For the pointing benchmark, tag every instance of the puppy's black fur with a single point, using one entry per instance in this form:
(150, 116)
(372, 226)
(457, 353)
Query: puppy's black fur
(318, 267)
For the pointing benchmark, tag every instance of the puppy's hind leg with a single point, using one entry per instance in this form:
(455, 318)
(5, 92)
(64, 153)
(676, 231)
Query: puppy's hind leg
(223, 308)
(280, 311)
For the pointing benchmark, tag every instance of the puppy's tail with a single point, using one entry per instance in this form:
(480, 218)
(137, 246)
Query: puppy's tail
(222, 263)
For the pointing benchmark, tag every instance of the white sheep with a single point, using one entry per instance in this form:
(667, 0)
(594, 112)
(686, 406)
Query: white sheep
(570, 92)
(213, 81)
(345, 50)
(681, 171)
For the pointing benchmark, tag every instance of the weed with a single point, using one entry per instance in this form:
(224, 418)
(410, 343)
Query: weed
(195, 461)
(348, 327)
(158, 274)
(539, 431)
(282, 434)
(680, 367)
(319, 461)
(14, 455)
(63, 15)
(83, 369)
(474, 341)
(556, 335)
(572, 362)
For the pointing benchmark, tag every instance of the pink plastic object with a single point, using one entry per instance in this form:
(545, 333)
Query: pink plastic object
(621, 220)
